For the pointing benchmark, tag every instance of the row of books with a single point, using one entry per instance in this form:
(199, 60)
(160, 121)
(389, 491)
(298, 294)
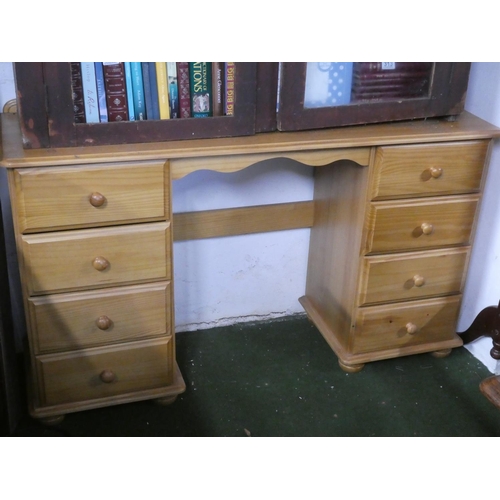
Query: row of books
(128, 91)
(342, 83)
(379, 80)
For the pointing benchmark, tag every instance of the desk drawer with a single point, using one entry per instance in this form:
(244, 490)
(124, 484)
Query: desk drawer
(60, 197)
(429, 169)
(100, 373)
(411, 276)
(63, 322)
(89, 258)
(405, 324)
(411, 225)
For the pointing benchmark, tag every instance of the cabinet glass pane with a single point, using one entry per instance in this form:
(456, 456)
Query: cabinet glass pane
(331, 84)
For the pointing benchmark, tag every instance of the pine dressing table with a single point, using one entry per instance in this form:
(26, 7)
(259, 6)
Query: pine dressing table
(392, 224)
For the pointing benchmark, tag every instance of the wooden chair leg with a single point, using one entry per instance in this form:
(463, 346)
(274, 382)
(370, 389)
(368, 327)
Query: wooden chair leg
(486, 324)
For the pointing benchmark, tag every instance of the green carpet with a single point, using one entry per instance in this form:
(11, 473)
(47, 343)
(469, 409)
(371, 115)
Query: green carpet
(280, 378)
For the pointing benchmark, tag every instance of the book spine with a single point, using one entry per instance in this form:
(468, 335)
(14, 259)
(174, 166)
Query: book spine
(184, 89)
(378, 67)
(130, 93)
(200, 74)
(162, 84)
(218, 88)
(229, 88)
(154, 91)
(116, 92)
(138, 91)
(173, 89)
(147, 91)
(77, 92)
(90, 98)
(101, 92)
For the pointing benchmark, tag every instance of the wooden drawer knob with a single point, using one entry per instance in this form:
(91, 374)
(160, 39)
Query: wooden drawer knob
(107, 376)
(103, 322)
(436, 172)
(418, 280)
(427, 228)
(100, 263)
(411, 328)
(97, 200)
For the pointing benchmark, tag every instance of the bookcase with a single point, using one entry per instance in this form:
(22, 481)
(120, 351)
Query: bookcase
(268, 96)
(45, 108)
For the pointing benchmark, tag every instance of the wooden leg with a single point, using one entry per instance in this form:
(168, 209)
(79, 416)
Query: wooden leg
(486, 324)
(443, 353)
(165, 401)
(51, 421)
(351, 368)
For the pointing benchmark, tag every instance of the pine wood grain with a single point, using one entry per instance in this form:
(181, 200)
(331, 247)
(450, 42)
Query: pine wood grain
(55, 198)
(62, 261)
(243, 220)
(68, 321)
(404, 171)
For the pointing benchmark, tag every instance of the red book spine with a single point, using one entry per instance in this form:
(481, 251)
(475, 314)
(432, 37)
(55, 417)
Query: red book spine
(77, 90)
(184, 90)
(116, 91)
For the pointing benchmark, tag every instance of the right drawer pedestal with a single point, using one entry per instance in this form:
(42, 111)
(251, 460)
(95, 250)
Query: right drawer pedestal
(393, 279)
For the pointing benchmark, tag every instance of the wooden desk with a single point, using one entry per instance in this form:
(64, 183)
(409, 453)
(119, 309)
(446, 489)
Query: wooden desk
(392, 223)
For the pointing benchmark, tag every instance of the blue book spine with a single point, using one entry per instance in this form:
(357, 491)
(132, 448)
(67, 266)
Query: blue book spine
(154, 91)
(147, 90)
(138, 91)
(130, 91)
(101, 92)
(90, 97)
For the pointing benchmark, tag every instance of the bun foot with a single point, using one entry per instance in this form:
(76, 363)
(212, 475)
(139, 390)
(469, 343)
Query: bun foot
(441, 354)
(351, 368)
(51, 421)
(166, 400)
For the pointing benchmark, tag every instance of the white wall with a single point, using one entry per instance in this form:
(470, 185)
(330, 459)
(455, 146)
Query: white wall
(7, 89)
(483, 281)
(226, 280)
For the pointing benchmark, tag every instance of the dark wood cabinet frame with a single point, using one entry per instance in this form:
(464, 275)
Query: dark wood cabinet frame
(45, 108)
(446, 98)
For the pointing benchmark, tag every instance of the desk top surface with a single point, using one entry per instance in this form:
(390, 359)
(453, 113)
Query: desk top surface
(466, 127)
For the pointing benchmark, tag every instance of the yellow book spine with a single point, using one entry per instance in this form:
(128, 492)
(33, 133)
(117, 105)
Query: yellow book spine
(161, 77)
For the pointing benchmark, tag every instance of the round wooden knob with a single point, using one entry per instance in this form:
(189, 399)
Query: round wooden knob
(97, 200)
(427, 228)
(103, 322)
(418, 280)
(100, 263)
(411, 328)
(436, 172)
(107, 376)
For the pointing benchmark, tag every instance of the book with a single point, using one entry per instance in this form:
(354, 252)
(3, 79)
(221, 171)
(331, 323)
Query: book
(138, 91)
(116, 91)
(377, 67)
(200, 80)
(327, 84)
(217, 88)
(101, 92)
(150, 90)
(184, 89)
(77, 92)
(89, 86)
(162, 84)
(130, 93)
(229, 88)
(173, 89)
